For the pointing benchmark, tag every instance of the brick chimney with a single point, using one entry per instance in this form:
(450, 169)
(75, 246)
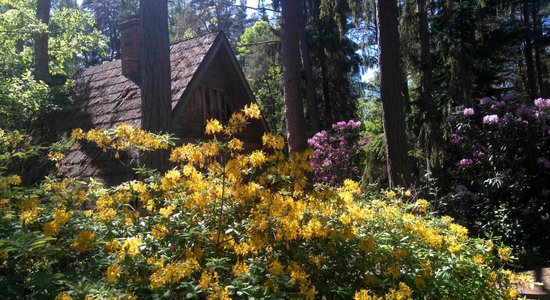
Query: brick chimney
(130, 47)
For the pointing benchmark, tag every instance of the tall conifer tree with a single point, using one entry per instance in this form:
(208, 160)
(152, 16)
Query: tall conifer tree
(155, 73)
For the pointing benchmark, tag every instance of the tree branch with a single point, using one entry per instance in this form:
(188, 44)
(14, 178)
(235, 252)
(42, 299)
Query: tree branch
(259, 43)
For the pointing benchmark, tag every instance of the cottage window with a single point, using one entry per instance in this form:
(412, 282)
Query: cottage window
(209, 103)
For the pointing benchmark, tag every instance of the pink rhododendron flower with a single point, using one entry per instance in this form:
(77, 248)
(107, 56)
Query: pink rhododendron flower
(542, 103)
(466, 162)
(490, 119)
(337, 152)
(468, 111)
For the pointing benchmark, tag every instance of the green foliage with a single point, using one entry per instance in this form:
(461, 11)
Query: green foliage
(370, 114)
(375, 171)
(335, 61)
(259, 56)
(190, 18)
(108, 15)
(23, 99)
(72, 35)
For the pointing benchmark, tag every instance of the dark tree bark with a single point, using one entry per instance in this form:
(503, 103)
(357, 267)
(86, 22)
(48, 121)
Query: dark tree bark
(41, 56)
(427, 105)
(528, 52)
(393, 114)
(155, 75)
(292, 87)
(312, 110)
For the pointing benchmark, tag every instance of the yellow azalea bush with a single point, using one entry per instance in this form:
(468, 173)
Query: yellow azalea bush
(226, 224)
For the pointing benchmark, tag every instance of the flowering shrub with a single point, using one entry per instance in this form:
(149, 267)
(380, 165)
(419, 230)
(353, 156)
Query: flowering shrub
(337, 153)
(224, 224)
(500, 150)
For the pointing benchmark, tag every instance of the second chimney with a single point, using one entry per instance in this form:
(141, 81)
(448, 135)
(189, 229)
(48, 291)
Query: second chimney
(130, 47)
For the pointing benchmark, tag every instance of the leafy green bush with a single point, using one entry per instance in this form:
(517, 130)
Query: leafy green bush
(224, 224)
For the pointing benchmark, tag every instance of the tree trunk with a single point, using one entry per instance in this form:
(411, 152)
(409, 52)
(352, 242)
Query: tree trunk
(41, 56)
(294, 107)
(312, 110)
(156, 104)
(393, 115)
(427, 105)
(528, 52)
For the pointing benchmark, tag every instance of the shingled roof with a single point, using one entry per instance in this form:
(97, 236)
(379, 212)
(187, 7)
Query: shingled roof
(103, 97)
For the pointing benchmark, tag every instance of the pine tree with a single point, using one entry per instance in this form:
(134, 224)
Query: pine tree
(155, 74)
(292, 85)
(41, 53)
(393, 113)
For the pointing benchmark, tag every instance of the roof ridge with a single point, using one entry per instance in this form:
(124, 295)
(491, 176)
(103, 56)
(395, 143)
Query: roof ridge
(106, 63)
(198, 36)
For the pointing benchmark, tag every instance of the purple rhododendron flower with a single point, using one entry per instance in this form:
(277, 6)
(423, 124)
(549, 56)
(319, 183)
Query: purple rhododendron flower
(466, 162)
(464, 191)
(336, 152)
(485, 100)
(456, 139)
(451, 118)
(509, 97)
(340, 125)
(478, 153)
(468, 111)
(490, 119)
(526, 111)
(542, 103)
(543, 161)
(354, 124)
(498, 104)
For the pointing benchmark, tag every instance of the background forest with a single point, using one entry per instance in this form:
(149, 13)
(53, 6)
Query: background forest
(442, 100)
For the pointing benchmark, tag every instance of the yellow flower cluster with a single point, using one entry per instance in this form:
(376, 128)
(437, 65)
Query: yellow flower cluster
(213, 126)
(105, 208)
(271, 141)
(113, 273)
(504, 253)
(121, 138)
(130, 247)
(83, 241)
(60, 217)
(56, 157)
(257, 158)
(29, 210)
(172, 273)
(63, 296)
(10, 180)
(298, 275)
(235, 144)
(252, 111)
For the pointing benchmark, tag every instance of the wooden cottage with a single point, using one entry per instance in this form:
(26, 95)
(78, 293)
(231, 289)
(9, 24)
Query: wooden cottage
(207, 82)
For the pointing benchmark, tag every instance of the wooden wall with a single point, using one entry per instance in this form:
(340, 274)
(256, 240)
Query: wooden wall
(220, 80)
